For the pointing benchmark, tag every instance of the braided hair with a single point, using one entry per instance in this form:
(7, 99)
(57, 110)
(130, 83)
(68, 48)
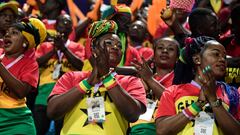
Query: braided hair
(184, 68)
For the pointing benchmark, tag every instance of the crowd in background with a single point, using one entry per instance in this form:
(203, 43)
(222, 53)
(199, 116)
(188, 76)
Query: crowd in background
(116, 67)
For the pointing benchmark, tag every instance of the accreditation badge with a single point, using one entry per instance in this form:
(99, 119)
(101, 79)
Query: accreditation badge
(203, 124)
(151, 105)
(95, 110)
(56, 72)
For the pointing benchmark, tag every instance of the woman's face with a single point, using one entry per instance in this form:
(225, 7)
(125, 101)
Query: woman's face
(215, 56)
(13, 41)
(113, 46)
(166, 53)
(137, 31)
(7, 17)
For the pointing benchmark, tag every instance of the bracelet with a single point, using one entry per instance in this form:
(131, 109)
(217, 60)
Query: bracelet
(189, 117)
(192, 111)
(110, 81)
(83, 86)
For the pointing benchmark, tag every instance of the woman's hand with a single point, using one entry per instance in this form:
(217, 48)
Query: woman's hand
(59, 42)
(93, 78)
(143, 69)
(208, 83)
(103, 60)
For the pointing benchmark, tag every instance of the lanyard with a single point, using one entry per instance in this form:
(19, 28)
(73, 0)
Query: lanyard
(60, 54)
(14, 62)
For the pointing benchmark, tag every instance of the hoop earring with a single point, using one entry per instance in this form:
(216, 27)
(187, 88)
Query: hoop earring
(24, 45)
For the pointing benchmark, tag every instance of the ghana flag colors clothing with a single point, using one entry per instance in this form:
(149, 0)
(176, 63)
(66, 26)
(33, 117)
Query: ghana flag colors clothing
(16, 118)
(178, 97)
(46, 81)
(143, 127)
(76, 120)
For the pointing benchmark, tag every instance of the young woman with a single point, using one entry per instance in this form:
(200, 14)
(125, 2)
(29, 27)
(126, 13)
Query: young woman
(166, 51)
(19, 74)
(200, 104)
(120, 99)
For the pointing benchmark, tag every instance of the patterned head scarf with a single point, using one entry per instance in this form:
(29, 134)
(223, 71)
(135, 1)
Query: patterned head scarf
(9, 5)
(186, 5)
(111, 11)
(97, 29)
(33, 30)
(101, 27)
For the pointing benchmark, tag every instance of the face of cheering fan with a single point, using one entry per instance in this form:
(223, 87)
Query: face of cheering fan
(166, 53)
(214, 55)
(13, 41)
(113, 46)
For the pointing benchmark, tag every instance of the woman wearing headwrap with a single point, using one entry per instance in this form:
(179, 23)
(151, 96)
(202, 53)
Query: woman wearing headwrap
(19, 75)
(199, 104)
(121, 14)
(98, 102)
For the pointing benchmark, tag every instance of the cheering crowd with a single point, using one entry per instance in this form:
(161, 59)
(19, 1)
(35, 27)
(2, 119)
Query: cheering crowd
(121, 67)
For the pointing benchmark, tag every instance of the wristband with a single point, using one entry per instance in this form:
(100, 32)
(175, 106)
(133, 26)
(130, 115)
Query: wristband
(189, 117)
(83, 86)
(110, 81)
(192, 111)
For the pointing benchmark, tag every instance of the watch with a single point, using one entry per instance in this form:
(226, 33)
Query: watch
(216, 103)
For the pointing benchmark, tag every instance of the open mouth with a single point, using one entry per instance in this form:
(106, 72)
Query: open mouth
(7, 42)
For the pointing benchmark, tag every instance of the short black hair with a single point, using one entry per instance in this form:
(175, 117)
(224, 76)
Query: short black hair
(197, 16)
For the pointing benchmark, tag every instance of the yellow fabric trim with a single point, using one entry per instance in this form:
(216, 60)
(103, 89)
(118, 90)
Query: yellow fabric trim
(9, 102)
(114, 2)
(30, 39)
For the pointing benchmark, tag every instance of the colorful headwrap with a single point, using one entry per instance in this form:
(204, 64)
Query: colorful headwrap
(186, 5)
(9, 5)
(33, 30)
(111, 11)
(101, 27)
(96, 29)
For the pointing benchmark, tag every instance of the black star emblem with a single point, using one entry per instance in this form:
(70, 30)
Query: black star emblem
(86, 122)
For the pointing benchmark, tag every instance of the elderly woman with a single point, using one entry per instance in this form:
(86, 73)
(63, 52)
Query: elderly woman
(19, 74)
(94, 102)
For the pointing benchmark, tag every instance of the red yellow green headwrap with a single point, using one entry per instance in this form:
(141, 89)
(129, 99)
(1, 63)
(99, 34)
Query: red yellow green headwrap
(111, 11)
(33, 30)
(99, 28)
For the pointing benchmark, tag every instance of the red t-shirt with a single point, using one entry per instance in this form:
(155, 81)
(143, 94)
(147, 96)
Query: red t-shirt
(26, 69)
(131, 84)
(76, 48)
(146, 52)
(166, 80)
(75, 119)
(177, 97)
(131, 54)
